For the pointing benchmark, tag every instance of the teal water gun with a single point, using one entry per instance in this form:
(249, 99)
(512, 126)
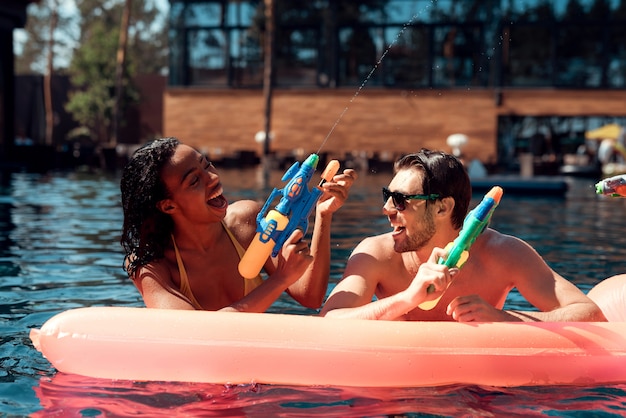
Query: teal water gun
(292, 212)
(474, 224)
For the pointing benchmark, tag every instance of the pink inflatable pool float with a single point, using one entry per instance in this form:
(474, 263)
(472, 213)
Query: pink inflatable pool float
(142, 344)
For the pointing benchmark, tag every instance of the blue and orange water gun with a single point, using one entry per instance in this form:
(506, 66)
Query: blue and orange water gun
(291, 213)
(474, 224)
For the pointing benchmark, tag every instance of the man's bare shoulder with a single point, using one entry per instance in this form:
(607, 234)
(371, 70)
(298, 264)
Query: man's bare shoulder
(497, 241)
(368, 265)
(502, 252)
(379, 247)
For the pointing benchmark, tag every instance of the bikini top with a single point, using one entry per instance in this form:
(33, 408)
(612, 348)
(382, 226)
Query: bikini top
(185, 288)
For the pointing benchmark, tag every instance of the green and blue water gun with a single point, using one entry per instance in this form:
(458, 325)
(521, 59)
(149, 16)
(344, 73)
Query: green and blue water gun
(474, 224)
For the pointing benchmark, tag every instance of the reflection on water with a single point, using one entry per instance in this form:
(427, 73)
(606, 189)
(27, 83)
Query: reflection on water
(59, 249)
(70, 395)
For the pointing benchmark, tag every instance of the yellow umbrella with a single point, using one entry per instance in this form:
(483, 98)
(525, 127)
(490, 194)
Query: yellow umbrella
(610, 131)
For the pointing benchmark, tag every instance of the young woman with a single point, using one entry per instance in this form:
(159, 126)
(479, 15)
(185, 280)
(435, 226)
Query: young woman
(183, 240)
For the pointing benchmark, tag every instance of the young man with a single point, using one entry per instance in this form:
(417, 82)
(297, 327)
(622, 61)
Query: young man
(426, 203)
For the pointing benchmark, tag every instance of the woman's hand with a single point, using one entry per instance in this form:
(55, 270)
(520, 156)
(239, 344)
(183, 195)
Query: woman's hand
(293, 259)
(336, 192)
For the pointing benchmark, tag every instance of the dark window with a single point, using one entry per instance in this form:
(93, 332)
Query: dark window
(401, 43)
(529, 60)
(297, 57)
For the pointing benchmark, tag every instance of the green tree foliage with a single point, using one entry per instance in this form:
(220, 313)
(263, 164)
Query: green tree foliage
(93, 76)
(85, 46)
(147, 34)
(32, 51)
(147, 43)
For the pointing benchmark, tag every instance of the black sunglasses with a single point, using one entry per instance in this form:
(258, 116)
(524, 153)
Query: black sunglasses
(399, 199)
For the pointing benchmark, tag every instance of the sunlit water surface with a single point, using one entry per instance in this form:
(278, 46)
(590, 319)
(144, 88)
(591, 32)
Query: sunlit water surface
(59, 249)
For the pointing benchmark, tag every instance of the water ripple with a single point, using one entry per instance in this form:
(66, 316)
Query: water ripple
(59, 249)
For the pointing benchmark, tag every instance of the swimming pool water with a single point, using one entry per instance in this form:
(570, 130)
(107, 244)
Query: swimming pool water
(59, 249)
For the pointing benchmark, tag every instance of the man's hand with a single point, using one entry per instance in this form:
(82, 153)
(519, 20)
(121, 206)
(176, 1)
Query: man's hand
(473, 308)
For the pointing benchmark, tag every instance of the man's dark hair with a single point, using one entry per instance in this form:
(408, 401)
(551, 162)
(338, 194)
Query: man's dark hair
(444, 175)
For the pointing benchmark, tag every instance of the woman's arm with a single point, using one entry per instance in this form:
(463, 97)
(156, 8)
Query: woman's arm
(311, 289)
(154, 282)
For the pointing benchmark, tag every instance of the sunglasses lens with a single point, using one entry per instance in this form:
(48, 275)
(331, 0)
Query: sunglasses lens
(398, 201)
(397, 198)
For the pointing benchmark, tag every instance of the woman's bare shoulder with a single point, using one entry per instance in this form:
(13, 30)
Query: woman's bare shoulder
(241, 219)
(157, 287)
(157, 271)
(242, 211)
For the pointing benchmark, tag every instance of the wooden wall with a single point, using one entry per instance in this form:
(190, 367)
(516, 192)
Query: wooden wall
(564, 102)
(385, 122)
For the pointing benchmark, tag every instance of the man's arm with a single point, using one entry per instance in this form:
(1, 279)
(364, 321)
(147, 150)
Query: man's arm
(390, 308)
(556, 298)
(352, 297)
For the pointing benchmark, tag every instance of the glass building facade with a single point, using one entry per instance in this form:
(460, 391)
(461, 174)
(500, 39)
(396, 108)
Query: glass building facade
(408, 44)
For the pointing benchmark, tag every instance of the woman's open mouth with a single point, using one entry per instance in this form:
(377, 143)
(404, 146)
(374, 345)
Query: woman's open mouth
(218, 202)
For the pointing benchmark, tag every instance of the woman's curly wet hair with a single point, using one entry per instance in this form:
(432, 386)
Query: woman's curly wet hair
(146, 231)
